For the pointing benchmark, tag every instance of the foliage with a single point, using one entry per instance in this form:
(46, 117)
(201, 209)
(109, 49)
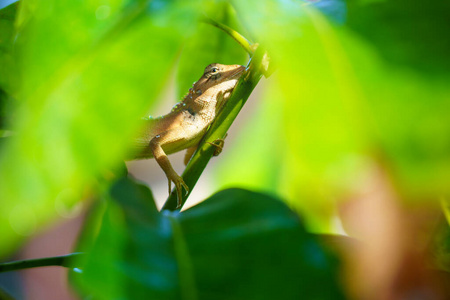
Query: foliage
(336, 106)
(80, 84)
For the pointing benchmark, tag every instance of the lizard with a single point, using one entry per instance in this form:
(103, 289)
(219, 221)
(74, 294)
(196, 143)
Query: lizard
(188, 121)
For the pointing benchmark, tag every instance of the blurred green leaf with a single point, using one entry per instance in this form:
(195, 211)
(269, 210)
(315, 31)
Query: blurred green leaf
(235, 245)
(8, 69)
(406, 34)
(306, 135)
(89, 72)
(6, 103)
(440, 246)
(333, 112)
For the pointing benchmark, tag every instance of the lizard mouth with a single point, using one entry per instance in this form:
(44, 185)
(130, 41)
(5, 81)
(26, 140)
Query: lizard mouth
(234, 75)
(237, 71)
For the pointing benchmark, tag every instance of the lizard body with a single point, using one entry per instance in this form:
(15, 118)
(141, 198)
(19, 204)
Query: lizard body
(186, 124)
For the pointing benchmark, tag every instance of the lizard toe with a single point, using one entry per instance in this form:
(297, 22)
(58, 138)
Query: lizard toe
(179, 185)
(218, 144)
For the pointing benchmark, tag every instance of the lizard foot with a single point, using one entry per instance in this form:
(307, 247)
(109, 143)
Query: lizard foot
(179, 185)
(219, 143)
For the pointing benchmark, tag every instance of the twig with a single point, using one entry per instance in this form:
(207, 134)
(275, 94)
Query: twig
(63, 261)
(250, 48)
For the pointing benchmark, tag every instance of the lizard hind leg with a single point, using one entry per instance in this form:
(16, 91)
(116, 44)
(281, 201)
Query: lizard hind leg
(218, 143)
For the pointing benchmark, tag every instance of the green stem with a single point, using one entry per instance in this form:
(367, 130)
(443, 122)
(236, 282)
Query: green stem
(184, 262)
(220, 126)
(63, 261)
(250, 48)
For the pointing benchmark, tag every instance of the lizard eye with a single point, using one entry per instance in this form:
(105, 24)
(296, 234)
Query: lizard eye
(214, 70)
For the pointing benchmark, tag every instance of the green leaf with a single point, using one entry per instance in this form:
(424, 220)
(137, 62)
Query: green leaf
(306, 130)
(235, 245)
(6, 103)
(335, 111)
(89, 72)
(440, 246)
(404, 34)
(8, 68)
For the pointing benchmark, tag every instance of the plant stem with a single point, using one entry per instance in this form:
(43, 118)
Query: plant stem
(63, 261)
(220, 126)
(250, 48)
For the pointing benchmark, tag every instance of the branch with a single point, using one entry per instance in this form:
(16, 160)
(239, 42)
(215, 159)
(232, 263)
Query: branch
(63, 261)
(266, 68)
(220, 126)
(250, 48)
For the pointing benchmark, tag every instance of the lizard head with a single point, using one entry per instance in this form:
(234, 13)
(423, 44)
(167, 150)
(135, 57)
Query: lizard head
(221, 77)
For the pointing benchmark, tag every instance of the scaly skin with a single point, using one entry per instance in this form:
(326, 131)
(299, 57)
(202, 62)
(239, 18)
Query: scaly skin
(188, 121)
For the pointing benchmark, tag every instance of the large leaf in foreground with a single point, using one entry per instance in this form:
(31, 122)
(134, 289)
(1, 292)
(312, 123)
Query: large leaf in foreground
(235, 245)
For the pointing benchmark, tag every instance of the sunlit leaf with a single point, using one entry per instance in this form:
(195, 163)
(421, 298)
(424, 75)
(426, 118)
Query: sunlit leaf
(235, 245)
(307, 128)
(337, 111)
(90, 71)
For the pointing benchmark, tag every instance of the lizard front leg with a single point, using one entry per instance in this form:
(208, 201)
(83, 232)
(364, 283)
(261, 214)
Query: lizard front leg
(161, 158)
